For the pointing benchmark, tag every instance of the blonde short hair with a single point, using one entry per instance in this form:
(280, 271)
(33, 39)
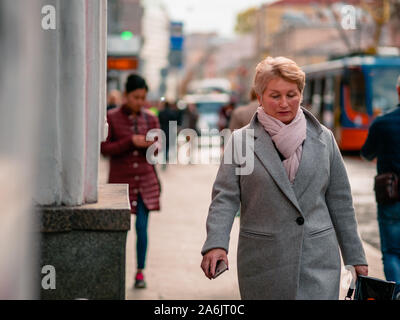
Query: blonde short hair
(282, 67)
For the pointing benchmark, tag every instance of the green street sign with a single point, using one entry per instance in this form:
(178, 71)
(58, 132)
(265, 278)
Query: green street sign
(126, 35)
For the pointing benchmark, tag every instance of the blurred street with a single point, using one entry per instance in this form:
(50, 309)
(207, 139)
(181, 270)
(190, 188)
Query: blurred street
(205, 75)
(361, 175)
(83, 80)
(177, 233)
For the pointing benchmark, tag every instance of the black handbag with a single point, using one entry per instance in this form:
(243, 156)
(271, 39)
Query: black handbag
(368, 288)
(386, 188)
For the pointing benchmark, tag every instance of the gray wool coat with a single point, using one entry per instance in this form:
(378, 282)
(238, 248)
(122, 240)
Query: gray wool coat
(290, 234)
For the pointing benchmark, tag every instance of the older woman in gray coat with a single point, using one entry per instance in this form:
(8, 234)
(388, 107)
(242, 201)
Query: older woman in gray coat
(296, 204)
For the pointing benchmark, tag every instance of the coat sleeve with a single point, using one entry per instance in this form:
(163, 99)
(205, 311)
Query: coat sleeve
(234, 122)
(369, 149)
(225, 203)
(112, 147)
(340, 205)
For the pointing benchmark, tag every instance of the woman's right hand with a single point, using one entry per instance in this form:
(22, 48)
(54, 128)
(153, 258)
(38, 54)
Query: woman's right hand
(210, 260)
(140, 141)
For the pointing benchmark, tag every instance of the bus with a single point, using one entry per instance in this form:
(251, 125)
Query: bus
(208, 106)
(347, 94)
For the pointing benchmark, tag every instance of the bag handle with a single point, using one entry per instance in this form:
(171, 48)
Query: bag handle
(352, 283)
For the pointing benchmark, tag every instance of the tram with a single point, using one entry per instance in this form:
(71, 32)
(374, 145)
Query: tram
(347, 94)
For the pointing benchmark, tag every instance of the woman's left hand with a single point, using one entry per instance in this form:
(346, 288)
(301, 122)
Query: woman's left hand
(361, 270)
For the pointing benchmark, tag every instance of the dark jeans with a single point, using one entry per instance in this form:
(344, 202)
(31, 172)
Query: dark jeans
(389, 229)
(142, 219)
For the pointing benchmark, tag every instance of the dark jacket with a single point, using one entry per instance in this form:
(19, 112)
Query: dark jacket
(383, 142)
(128, 163)
(165, 116)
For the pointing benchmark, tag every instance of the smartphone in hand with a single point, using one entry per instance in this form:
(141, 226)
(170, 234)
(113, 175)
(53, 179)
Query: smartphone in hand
(220, 268)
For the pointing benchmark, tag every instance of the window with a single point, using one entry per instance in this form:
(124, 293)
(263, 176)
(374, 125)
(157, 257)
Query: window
(328, 103)
(317, 98)
(307, 95)
(357, 90)
(384, 89)
(209, 107)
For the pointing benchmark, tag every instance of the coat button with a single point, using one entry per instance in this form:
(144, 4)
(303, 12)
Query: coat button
(135, 153)
(135, 165)
(134, 203)
(136, 178)
(300, 221)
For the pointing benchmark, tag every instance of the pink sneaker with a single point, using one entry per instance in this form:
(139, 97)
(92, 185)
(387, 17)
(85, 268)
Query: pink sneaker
(139, 281)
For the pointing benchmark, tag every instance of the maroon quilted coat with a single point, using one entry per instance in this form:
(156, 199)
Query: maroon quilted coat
(128, 163)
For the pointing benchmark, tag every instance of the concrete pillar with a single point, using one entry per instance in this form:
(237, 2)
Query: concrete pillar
(74, 102)
(20, 110)
(53, 103)
(83, 226)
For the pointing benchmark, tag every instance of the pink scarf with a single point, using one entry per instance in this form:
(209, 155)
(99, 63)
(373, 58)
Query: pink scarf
(288, 138)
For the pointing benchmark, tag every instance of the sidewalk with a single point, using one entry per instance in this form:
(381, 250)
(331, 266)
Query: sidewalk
(176, 235)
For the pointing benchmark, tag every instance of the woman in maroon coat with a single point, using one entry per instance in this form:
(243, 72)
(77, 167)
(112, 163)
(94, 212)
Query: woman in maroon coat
(126, 146)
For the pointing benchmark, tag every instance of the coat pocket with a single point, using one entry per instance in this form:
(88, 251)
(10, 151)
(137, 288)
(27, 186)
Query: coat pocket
(256, 234)
(320, 232)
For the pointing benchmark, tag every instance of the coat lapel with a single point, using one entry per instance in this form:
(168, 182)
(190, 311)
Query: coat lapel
(309, 162)
(267, 154)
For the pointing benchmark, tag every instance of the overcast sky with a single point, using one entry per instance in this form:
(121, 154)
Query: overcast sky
(209, 15)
